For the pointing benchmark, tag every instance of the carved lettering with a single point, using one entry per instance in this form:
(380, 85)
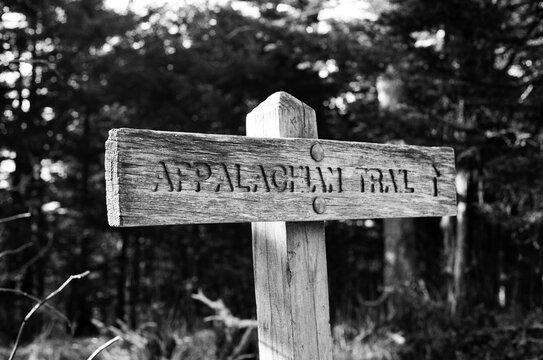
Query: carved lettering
(438, 174)
(239, 185)
(321, 177)
(180, 174)
(333, 176)
(291, 180)
(307, 176)
(376, 177)
(312, 187)
(340, 180)
(203, 172)
(371, 180)
(406, 183)
(393, 181)
(263, 178)
(162, 176)
(282, 184)
(223, 177)
(201, 176)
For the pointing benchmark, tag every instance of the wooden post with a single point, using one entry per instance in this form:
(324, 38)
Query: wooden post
(162, 178)
(291, 281)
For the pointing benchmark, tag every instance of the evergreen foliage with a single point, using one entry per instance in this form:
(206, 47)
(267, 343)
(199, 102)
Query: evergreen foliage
(466, 74)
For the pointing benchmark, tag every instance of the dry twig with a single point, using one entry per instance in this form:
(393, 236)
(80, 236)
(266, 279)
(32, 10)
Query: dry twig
(37, 300)
(380, 300)
(40, 304)
(231, 322)
(222, 313)
(15, 217)
(22, 269)
(15, 251)
(103, 347)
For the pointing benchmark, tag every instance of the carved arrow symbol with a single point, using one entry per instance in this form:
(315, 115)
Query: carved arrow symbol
(438, 174)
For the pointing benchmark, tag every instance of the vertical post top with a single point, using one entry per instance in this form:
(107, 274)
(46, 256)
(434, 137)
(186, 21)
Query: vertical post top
(280, 99)
(282, 115)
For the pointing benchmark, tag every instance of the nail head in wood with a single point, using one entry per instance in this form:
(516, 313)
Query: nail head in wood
(317, 152)
(319, 205)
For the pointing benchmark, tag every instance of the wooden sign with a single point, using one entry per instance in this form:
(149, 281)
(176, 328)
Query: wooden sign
(159, 178)
(286, 182)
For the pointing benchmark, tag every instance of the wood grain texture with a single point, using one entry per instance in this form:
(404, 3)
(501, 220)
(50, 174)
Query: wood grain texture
(291, 283)
(160, 178)
(112, 180)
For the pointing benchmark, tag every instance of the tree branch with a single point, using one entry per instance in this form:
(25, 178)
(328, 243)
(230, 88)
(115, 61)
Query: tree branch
(40, 254)
(222, 313)
(15, 217)
(103, 347)
(372, 303)
(31, 297)
(40, 304)
(16, 250)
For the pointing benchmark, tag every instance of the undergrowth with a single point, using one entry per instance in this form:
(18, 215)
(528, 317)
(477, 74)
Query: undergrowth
(423, 330)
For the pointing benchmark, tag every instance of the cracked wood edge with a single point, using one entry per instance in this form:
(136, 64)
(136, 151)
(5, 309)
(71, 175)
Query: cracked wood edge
(111, 162)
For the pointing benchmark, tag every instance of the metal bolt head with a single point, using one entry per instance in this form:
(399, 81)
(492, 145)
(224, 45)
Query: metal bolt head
(319, 205)
(317, 152)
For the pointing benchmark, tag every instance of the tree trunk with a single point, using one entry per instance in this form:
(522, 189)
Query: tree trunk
(120, 312)
(135, 284)
(447, 225)
(399, 269)
(80, 295)
(458, 251)
(399, 234)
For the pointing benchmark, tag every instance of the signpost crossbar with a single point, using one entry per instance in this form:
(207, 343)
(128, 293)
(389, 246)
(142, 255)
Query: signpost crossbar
(287, 182)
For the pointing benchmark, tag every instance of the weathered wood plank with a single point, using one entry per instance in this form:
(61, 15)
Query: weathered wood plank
(291, 284)
(159, 178)
(273, 302)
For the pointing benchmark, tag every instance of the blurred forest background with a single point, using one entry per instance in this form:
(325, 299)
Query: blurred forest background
(466, 74)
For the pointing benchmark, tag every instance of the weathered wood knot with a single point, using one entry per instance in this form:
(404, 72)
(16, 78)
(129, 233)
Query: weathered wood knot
(317, 152)
(319, 205)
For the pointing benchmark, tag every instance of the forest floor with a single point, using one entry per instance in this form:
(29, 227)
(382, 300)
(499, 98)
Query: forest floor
(476, 337)
(82, 348)
(67, 349)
